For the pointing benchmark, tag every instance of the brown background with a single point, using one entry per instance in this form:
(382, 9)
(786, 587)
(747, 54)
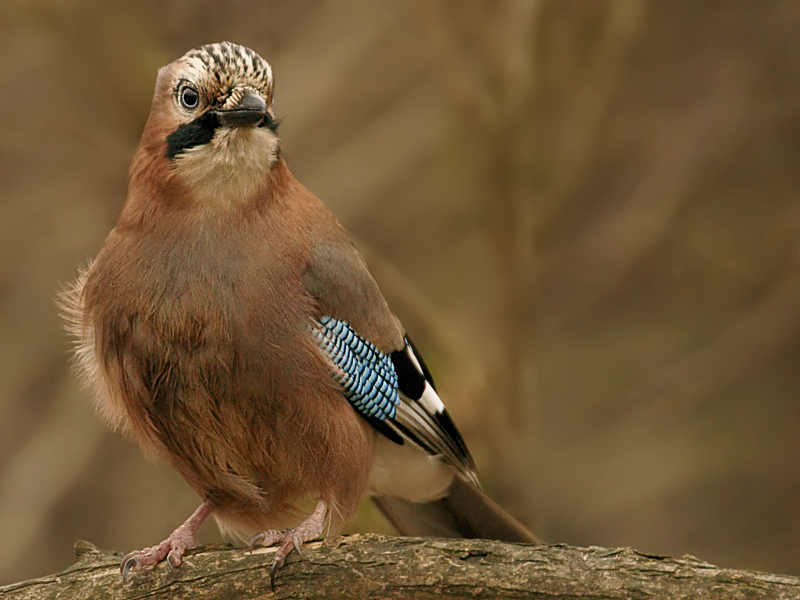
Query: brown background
(585, 212)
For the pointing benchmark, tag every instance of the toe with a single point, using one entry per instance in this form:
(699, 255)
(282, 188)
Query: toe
(266, 538)
(292, 542)
(257, 540)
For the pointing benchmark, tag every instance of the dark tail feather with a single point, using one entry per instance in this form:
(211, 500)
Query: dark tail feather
(465, 512)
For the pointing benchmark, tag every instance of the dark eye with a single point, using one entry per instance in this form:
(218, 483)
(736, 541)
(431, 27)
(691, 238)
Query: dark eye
(189, 97)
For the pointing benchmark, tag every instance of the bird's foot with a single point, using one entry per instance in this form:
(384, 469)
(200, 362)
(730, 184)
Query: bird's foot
(172, 549)
(291, 539)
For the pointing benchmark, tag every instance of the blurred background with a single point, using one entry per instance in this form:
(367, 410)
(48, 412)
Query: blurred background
(586, 213)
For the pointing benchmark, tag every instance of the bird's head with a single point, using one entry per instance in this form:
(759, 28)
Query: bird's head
(212, 123)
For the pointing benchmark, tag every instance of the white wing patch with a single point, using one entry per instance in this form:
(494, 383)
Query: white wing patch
(430, 400)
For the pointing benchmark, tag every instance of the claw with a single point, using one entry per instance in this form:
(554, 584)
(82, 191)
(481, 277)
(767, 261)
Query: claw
(273, 572)
(297, 543)
(128, 562)
(173, 561)
(257, 540)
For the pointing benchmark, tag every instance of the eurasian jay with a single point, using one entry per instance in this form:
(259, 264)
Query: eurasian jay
(230, 327)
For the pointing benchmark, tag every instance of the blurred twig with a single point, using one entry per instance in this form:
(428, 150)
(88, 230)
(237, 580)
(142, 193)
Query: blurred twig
(597, 263)
(588, 101)
(466, 89)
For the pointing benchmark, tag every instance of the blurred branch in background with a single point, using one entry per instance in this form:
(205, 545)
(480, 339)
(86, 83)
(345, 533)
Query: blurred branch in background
(485, 54)
(582, 212)
(745, 344)
(679, 153)
(495, 58)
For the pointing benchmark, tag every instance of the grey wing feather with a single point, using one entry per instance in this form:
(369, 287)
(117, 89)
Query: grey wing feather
(341, 284)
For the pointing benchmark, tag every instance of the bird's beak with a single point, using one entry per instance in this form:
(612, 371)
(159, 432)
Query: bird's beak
(250, 110)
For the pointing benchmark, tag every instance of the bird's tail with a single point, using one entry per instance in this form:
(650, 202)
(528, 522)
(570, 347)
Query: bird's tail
(464, 512)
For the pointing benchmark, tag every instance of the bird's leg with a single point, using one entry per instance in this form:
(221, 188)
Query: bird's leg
(292, 539)
(171, 548)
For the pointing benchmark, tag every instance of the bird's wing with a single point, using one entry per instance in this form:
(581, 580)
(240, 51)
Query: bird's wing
(381, 372)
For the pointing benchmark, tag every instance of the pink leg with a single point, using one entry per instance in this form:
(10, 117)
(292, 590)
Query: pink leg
(171, 548)
(292, 539)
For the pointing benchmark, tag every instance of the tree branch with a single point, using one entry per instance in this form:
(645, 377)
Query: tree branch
(374, 566)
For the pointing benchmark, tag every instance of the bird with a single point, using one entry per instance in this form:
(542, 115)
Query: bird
(230, 327)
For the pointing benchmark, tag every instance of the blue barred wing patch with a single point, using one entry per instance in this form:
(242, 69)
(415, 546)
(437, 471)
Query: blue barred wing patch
(366, 375)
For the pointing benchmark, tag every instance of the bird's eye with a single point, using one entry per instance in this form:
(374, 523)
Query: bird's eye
(189, 97)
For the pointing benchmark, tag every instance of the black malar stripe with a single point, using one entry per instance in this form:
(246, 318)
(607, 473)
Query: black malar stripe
(189, 135)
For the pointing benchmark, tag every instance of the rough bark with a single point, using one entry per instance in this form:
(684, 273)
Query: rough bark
(373, 566)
